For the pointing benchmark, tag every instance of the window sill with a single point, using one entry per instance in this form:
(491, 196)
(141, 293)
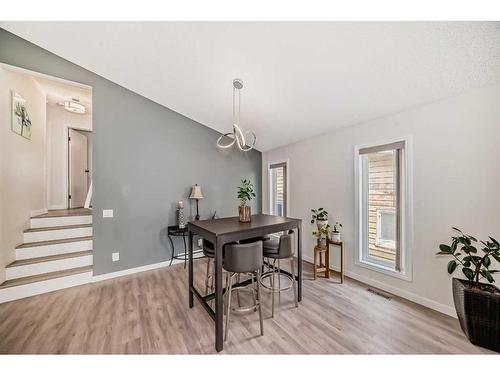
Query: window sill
(383, 269)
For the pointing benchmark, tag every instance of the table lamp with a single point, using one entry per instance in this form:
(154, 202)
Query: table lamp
(196, 194)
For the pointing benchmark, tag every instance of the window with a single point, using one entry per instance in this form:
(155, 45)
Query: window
(278, 189)
(386, 228)
(383, 207)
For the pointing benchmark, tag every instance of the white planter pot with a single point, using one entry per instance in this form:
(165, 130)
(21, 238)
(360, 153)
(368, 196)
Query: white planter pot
(335, 236)
(321, 223)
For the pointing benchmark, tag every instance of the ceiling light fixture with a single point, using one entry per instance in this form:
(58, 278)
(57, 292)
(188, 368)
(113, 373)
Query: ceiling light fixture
(244, 140)
(74, 106)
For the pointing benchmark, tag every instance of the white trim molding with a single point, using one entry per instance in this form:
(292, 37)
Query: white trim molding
(33, 289)
(130, 271)
(406, 210)
(269, 193)
(426, 302)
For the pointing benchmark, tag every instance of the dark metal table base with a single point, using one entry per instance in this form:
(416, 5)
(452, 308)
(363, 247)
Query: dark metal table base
(226, 230)
(207, 298)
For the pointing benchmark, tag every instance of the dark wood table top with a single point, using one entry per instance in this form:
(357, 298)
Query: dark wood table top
(232, 224)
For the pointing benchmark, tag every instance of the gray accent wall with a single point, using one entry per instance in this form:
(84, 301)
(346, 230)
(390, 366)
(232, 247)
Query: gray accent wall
(146, 157)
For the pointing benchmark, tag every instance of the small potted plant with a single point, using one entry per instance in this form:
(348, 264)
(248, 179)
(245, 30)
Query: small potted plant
(321, 235)
(245, 194)
(320, 216)
(336, 232)
(477, 304)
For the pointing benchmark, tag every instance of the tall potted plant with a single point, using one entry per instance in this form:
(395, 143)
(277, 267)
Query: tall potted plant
(320, 216)
(245, 194)
(477, 304)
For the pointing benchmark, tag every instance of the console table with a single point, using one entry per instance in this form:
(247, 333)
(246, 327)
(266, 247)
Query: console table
(175, 231)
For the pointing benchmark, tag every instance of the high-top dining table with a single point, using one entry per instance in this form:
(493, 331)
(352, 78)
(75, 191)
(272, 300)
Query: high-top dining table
(225, 230)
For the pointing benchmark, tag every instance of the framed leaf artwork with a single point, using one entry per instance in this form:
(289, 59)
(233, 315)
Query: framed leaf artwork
(21, 122)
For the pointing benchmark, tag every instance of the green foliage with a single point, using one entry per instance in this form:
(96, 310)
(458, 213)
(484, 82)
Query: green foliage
(322, 232)
(474, 267)
(245, 191)
(319, 214)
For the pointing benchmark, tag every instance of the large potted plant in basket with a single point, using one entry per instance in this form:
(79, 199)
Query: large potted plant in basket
(477, 304)
(245, 194)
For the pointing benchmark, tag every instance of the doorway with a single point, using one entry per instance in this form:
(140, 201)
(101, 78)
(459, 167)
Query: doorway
(79, 168)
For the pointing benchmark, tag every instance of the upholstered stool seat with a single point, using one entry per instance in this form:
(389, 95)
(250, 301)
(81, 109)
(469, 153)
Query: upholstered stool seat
(271, 246)
(243, 259)
(278, 249)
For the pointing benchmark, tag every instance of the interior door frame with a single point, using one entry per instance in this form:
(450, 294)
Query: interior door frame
(66, 169)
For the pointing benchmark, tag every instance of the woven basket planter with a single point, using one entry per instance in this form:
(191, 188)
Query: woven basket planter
(478, 313)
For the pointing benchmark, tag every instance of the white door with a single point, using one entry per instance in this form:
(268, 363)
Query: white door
(78, 169)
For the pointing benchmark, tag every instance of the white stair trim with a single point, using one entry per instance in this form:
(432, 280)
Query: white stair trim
(32, 269)
(45, 286)
(56, 221)
(40, 287)
(57, 234)
(37, 251)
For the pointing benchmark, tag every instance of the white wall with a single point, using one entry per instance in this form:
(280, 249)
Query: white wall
(456, 182)
(22, 164)
(58, 119)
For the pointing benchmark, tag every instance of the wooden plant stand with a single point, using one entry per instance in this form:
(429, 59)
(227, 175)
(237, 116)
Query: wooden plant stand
(324, 260)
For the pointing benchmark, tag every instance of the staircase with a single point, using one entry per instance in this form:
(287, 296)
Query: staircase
(56, 254)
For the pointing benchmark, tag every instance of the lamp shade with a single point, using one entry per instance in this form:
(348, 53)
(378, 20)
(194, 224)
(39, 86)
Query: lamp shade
(196, 192)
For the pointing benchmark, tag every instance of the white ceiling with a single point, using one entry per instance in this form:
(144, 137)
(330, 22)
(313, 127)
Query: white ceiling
(301, 78)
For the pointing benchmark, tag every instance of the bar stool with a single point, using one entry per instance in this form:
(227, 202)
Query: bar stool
(243, 259)
(281, 248)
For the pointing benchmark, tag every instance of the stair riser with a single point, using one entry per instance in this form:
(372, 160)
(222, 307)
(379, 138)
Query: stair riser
(60, 221)
(57, 234)
(27, 290)
(61, 248)
(45, 267)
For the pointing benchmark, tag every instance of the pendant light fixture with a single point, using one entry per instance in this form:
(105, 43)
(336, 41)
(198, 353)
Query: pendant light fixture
(245, 140)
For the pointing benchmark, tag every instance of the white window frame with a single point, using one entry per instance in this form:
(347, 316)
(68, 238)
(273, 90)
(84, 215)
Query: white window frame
(386, 244)
(287, 189)
(406, 211)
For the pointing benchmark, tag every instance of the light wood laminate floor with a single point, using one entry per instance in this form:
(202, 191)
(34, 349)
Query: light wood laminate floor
(148, 313)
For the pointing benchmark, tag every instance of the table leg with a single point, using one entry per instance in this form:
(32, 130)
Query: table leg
(190, 271)
(327, 261)
(219, 314)
(185, 249)
(299, 262)
(172, 249)
(342, 263)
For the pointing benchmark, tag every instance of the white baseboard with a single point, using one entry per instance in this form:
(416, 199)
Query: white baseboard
(45, 286)
(28, 290)
(130, 271)
(41, 211)
(445, 309)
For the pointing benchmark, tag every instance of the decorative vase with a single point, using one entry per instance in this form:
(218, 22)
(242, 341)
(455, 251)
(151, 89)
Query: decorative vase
(321, 223)
(245, 213)
(181, 221)
(335, 236)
